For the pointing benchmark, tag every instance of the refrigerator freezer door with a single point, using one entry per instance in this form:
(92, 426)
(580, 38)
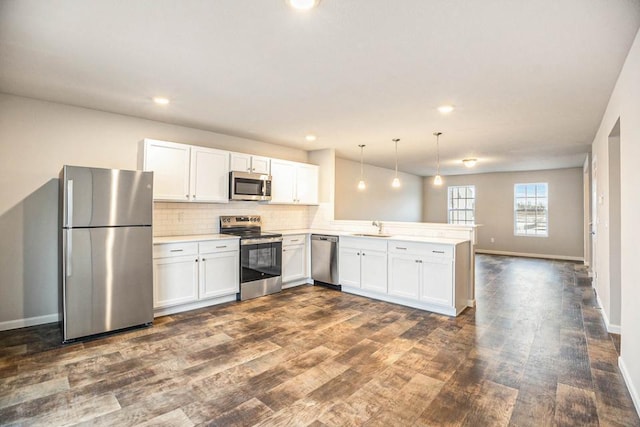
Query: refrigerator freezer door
(96, 197)
(107, 279)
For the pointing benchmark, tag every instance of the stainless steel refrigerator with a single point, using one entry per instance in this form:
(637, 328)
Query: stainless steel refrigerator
(106, 250)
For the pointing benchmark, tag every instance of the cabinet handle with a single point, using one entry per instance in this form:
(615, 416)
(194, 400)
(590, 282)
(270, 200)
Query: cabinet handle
(284, 250)
(363, 254)
(186, 195)
(221, 247)
(176, 250)
(358, 254)
(296, 240)
(438, 252)
(204, 259)
(194, 196)
(398, 247)
(196, 259)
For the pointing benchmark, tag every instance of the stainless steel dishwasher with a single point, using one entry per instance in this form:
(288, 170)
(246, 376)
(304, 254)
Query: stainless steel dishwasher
(324, 260)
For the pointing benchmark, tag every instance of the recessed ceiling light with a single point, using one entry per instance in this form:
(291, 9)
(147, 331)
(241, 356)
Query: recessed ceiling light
(310, 137)
(469, 162)
(303, 4)
(160, 100)
(445, 109)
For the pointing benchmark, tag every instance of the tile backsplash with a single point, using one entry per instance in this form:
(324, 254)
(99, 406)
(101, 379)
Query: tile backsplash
(178, 219)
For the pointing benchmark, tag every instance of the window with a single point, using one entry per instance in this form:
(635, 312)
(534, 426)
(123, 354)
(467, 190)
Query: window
(531, 208)
(462, 204)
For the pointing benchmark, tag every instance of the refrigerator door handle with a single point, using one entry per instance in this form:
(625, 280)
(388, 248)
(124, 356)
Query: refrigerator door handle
(69, 203)
(69, 268)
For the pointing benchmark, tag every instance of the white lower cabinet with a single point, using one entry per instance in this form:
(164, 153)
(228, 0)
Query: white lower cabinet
(219, 274)
(175, 280)
(363, 263)
(437, 286)
(405, 275)
(188, 272)
(294, 258)
(430, 276)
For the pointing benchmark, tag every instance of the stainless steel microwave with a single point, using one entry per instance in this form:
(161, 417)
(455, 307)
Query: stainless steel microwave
(249, 186)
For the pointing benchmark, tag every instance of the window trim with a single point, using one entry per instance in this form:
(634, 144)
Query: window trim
(515, 225)
(473, 211)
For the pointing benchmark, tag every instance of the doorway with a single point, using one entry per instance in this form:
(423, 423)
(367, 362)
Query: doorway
(615, 234)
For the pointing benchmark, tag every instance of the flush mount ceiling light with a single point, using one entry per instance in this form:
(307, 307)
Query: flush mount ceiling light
(310, 137)
(469, 162)
(361, 184)
(396, 181)
(303, 4)
(161, 100)
(445, 109)
(438, 179)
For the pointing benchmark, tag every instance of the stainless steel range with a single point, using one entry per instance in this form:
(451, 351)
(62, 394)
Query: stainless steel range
(260, 255)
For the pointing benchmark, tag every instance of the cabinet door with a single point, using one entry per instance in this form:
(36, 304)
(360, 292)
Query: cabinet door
(283, 175)
(240, 162)
(260, 165)
(175, 281)
(405, 273)
(373, 270)
(209, 175)
(219, 274)
(170, 165)
(293, 263)
(437, 281)
(307, 184)
(349, 267)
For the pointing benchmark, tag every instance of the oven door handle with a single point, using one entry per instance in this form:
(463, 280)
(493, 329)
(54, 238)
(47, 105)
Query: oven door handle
(259, 241)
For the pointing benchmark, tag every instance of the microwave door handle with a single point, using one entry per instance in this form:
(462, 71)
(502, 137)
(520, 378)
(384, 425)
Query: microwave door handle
(264, 187)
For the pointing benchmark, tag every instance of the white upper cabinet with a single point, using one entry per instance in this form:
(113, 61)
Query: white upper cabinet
(247, 163)
(187, 173)
(293, 183)
(170, 163)
(307, 184)
(209, 175)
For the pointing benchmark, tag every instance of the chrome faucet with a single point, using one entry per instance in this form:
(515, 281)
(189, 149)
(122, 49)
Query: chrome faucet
(379, 225)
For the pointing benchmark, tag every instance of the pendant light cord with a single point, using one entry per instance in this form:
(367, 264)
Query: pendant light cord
(437, 134)
(361, 162)
(396, 141)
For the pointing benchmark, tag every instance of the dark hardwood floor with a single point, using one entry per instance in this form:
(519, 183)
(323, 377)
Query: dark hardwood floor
(533, 353)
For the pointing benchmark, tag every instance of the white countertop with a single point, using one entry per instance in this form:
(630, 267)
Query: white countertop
(193, 238)
(399, 237)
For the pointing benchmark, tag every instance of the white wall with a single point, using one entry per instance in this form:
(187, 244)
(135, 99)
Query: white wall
(36, 139)
(625, 105)
(494, 210)
(379, 201)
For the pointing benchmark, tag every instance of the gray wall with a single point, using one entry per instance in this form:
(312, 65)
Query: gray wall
(379, 200)
(36, 139)
(494, 210)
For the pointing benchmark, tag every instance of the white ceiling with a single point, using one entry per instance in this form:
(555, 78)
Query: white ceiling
(530, 79)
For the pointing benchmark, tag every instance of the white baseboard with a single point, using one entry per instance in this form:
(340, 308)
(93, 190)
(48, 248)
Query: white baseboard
(29, 321)
(528, 255)
(612, 329)
(471, 303)
(633, 391)
(295, 283)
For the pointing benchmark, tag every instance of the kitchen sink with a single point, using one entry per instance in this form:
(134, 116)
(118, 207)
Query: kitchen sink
(371, 235)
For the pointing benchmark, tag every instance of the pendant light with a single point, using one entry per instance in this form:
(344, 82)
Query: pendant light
(438, 179)
(396, 180)
(361, 184)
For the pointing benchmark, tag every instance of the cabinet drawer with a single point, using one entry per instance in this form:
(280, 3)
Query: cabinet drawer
(219, 246)
(298, 239)
(424, 249)
(374, 244)
(175, 249)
